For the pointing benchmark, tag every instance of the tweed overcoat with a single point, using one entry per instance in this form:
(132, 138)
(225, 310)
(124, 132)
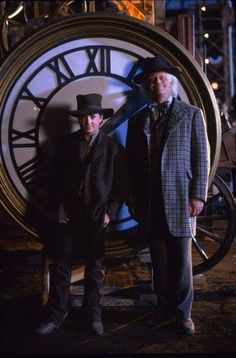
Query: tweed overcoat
(103, 179)
(184, 168)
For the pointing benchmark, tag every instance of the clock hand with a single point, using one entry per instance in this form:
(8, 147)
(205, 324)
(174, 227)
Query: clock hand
(134, 103)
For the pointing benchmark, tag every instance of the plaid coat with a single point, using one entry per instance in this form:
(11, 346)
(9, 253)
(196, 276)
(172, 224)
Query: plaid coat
(184, 168)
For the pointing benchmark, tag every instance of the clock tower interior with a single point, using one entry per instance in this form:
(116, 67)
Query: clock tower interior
(59, 48)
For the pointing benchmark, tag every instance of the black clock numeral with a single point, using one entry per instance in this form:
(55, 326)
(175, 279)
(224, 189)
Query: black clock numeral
(103, 65)
(28, 169)
(132, 71)
(61, 77)
(38, 101)
(31, 171)
(18, 135)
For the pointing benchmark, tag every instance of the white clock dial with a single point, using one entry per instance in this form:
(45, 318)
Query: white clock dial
(88, 53)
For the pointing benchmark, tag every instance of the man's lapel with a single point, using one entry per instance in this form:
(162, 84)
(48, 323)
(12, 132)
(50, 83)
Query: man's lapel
(98, 147)
(76, 145)
(177, 115)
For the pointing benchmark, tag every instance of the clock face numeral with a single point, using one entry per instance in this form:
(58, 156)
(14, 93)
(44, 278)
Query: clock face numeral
(32, 173)
(48, 89)
(55, 67)
(38, 101)
(29, 169)
(29, 138)
(132, 71)
(103, 65)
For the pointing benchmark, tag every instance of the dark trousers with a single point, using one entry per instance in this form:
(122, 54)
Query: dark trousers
(172, 266)
(60, 274)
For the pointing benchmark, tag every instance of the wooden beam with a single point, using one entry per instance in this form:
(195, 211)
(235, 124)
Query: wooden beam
(159, 13)
(185, 32)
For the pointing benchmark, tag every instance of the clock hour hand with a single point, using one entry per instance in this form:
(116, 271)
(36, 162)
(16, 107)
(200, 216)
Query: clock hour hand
(134, 103)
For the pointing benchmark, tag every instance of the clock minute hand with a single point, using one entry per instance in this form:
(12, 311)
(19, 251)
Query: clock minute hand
(134, 103)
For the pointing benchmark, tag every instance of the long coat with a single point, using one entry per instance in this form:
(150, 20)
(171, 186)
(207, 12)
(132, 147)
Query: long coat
(184, 166)
(103, 179)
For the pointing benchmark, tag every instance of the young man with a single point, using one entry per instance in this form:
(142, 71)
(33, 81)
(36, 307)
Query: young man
(88, 189)
(168, 163)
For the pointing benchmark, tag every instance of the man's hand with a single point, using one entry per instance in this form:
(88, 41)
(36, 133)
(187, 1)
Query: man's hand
(64, 220)
(107, 219)
(195, 207)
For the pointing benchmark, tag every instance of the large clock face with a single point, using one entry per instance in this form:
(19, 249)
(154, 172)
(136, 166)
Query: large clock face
(35, 114)
(78, 55)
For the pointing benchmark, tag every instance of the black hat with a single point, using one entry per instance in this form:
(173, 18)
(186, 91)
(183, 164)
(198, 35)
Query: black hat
(90, 103)
(155, 64)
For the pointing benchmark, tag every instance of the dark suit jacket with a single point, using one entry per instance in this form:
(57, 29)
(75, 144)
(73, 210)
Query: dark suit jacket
(104, 179)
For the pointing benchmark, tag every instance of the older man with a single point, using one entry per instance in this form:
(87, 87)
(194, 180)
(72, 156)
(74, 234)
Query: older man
(168, 162)
(87, 191)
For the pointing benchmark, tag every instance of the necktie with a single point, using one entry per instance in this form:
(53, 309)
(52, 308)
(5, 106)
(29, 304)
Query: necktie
(156, 112)
(163, 108)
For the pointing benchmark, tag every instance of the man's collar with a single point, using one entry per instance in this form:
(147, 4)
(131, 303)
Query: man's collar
(91, 138)
(166, 102)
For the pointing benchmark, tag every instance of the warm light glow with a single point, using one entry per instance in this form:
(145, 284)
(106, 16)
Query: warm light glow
(203, 8)
(206, 35)
(131, 8)
(16, 12)
(215, 86)
(207, 60)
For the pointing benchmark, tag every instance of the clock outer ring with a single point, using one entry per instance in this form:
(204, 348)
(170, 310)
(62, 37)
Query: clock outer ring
(123, 28)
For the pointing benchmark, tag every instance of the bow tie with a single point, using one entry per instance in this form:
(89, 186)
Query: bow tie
(159, 107)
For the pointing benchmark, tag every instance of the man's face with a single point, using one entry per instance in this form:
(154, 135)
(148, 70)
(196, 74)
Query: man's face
(90, 123)
(160, 84)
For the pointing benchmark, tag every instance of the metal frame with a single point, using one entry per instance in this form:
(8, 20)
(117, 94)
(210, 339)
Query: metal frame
(125, 28)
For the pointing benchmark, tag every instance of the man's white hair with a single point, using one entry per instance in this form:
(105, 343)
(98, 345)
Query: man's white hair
(175, 84)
